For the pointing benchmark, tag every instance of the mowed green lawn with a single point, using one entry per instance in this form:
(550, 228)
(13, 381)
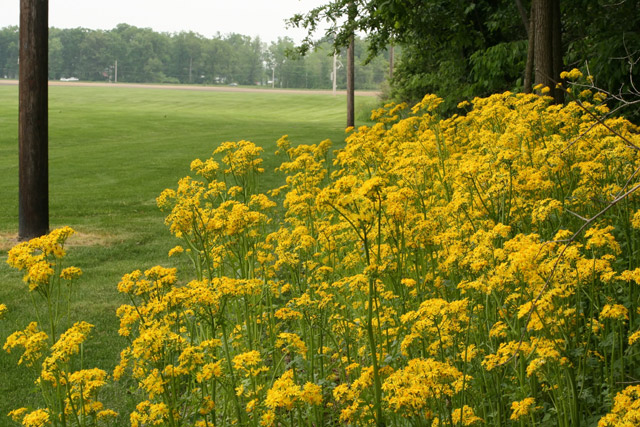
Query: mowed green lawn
(112, 150)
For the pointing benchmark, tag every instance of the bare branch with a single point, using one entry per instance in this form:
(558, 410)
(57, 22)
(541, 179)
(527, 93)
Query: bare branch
(577, 216)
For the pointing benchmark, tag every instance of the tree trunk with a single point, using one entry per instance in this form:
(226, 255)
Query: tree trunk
(558, 94)
(547, 45)
(543, 41)
(33, 206)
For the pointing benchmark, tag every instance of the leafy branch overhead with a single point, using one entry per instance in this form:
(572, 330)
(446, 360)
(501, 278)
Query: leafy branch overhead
(460, 49)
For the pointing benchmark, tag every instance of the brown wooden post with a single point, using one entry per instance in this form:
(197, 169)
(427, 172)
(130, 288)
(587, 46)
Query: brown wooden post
(351, 70)
(350, 85)
(33, 121)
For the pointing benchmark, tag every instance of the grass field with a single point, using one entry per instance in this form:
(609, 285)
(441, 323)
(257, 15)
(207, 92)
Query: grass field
(112, 151)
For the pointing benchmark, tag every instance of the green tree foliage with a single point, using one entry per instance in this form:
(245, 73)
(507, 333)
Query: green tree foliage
(605, 35)
(460, 48)
(454, 48)
(9, 47)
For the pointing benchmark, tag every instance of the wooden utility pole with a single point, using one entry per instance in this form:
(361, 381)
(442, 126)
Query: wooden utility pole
(350, 70)
(350, 85)
(33, 206)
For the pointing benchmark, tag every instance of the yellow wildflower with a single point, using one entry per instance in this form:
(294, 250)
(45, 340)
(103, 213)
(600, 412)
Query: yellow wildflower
(268, 419)
(284, 393)
(614, 312)
(626, 409)
(37, 418)
(176, 250)
(34, 342)
(634, 337)
(286, 339)
(312, 394)
(522, 408)
(409, 390)
(465, 416)
(17, 414)
(70, 273)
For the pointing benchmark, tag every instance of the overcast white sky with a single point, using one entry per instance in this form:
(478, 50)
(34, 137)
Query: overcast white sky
(264, 18)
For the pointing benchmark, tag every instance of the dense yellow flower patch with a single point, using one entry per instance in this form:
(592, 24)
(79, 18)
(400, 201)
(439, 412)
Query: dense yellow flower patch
(479, 269)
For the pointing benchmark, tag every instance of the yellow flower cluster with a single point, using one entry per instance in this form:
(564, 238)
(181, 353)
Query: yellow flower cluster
(285, 393)
(83, 395)
(34, 342)
(413, 390)
(40, 259)
(626, 409)
(522, 408)
(67, 345)
(37, 418)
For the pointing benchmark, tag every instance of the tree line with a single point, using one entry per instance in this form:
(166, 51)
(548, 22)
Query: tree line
(132, 54)
(456, 49)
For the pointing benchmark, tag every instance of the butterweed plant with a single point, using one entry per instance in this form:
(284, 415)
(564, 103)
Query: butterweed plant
(476, 270)
(69, 392)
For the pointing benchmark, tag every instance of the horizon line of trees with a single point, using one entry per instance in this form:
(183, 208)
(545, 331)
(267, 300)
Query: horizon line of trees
(146, 56)
(457, 50)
